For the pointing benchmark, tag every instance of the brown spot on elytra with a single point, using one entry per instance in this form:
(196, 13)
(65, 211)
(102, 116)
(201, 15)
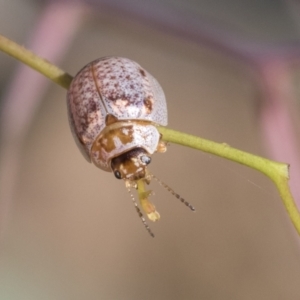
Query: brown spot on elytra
(148, 105)
(142, 72)
(80, 140)
(92, 106)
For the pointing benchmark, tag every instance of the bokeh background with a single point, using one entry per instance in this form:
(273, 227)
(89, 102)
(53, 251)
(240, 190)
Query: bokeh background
(70, 231)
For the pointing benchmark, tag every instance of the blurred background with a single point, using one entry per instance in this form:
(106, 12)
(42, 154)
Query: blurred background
(229, 69)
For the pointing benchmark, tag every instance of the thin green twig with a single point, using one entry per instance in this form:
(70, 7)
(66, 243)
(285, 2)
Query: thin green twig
(35, 62)
(277, 172)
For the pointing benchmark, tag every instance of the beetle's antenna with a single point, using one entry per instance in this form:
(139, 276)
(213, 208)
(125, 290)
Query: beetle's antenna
(139, 212)
(174, 193)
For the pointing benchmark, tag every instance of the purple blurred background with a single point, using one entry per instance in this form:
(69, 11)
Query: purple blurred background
(229, 70)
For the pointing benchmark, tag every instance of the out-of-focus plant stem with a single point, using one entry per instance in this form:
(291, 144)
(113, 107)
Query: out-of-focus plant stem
(52, 34)
(277, 172)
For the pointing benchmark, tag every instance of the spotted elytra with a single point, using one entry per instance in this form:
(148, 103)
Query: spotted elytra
(114, 108)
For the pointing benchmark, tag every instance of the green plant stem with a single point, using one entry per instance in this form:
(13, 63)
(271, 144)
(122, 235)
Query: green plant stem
(35, 62)
(277, 172)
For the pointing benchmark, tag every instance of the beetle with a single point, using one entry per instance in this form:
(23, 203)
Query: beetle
(114, 109)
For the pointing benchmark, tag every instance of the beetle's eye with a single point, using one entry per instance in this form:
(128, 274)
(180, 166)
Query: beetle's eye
(118, 174)
(146, 159)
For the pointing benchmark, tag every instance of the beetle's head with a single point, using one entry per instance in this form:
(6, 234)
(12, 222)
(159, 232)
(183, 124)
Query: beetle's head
(131, 165)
